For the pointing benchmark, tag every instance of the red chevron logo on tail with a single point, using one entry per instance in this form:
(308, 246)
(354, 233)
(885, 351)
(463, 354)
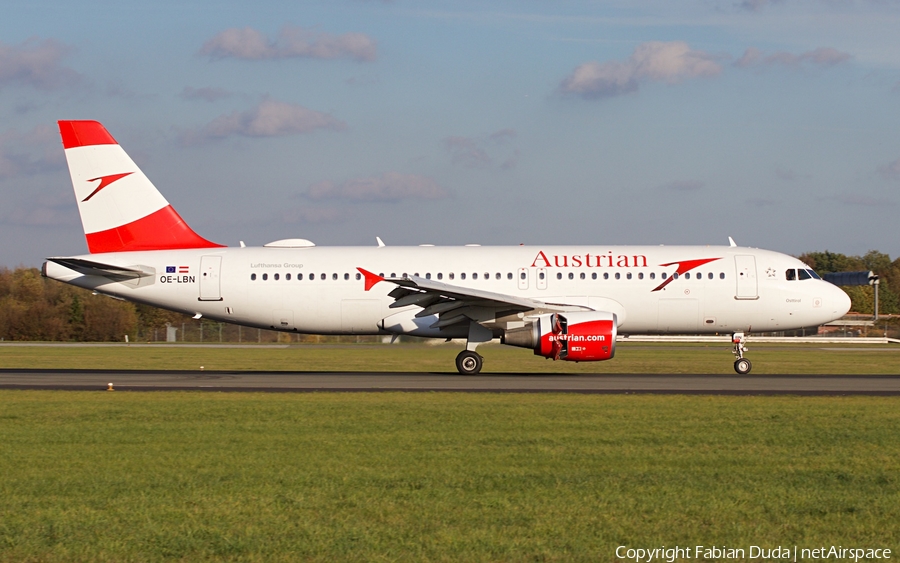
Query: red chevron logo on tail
(105, 181)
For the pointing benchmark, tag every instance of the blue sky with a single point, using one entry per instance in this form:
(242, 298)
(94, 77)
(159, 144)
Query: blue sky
(641, 122)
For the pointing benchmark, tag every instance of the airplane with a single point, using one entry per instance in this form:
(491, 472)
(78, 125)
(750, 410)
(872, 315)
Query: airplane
(565, 303)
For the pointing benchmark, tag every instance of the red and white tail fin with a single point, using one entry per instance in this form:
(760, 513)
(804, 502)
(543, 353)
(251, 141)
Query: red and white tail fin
(120, 208)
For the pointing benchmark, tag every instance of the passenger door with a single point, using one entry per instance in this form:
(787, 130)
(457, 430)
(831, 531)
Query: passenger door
(745, 272)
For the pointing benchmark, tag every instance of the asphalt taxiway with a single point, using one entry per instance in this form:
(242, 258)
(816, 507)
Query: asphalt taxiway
(125, 380)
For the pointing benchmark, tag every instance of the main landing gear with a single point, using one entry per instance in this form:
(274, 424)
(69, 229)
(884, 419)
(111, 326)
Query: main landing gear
(741, 364)
(469, 362)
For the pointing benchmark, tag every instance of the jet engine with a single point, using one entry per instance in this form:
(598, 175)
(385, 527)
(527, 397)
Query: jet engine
(588, 336)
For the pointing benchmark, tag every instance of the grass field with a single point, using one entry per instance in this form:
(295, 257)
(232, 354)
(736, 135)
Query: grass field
(630, 358)
(437, 477)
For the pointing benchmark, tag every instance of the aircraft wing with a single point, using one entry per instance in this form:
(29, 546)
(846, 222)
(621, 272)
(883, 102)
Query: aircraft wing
(455, 304)
(115, 273)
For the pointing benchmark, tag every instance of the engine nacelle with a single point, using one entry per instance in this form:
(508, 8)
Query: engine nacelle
(588, 336)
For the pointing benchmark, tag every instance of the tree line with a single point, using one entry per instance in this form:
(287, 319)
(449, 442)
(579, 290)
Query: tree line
(863, 297)
(35, 308)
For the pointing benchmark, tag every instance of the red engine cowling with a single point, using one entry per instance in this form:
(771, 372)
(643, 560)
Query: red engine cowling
(577, 337)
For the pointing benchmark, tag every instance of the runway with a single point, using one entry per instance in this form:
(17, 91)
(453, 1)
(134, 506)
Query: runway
(97, 380)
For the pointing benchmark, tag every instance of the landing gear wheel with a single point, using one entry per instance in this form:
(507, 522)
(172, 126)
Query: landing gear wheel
(742, 366)
(468, 362)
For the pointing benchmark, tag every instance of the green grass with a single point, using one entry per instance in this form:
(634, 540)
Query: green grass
(437, 477)
(630, 358)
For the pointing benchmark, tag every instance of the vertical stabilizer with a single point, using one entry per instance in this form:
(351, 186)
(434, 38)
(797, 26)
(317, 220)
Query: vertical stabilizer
(120, 208)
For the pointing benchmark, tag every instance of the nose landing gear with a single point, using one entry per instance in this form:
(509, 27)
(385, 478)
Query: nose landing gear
(741, 364)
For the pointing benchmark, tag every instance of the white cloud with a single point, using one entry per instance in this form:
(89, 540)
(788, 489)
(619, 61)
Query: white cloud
(37, 64)
(45, 211)
(683, 186)
(755, 5)
(863, 200)
(466, 152)
(389, 187)
(292, 42)
(314, 214)
(33, 152)
(207, 93)
(822, 56)
(270, 118)
(653, 61)
(472, 152)
(891, 170)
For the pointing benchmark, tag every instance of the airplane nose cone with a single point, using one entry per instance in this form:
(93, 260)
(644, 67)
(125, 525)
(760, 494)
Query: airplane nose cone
(841, 302)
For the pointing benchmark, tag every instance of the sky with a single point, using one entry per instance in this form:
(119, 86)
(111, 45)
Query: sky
(775, 122)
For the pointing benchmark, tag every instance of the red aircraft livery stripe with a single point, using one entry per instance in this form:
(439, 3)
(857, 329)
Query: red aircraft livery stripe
(161, 230)
(84, 134)
(683, 267)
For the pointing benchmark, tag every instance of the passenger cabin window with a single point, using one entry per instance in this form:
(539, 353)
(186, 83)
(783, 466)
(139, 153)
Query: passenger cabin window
(594, 276)
(721, 275)
(287, 277)
(559, 275)
(652, 275)
(710, 275)
(428, 275)
(606, 275)
(265, 277)
(252, 277)
(571, 275)
(300, 277)
(451, 275)
(640, 275)
(522, 276)
(462, 276)
(509, 276)
(581, 275)
(276, 277)
(628, 275)
(541, 275)
(618, 275)
(440, 276)
(687, 276)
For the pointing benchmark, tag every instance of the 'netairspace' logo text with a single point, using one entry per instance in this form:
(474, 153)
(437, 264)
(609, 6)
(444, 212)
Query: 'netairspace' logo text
(795, 553)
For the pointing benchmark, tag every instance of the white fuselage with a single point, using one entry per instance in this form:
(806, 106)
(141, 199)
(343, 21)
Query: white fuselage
(319, 289)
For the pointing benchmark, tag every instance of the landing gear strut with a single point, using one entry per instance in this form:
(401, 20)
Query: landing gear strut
(741, 364)
(469, 362)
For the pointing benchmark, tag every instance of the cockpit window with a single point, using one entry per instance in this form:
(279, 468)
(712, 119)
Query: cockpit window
(803, 275)
(814, 274)
(791, 274)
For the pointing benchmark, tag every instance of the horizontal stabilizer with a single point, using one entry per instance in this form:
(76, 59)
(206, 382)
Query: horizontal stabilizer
(115, 273)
